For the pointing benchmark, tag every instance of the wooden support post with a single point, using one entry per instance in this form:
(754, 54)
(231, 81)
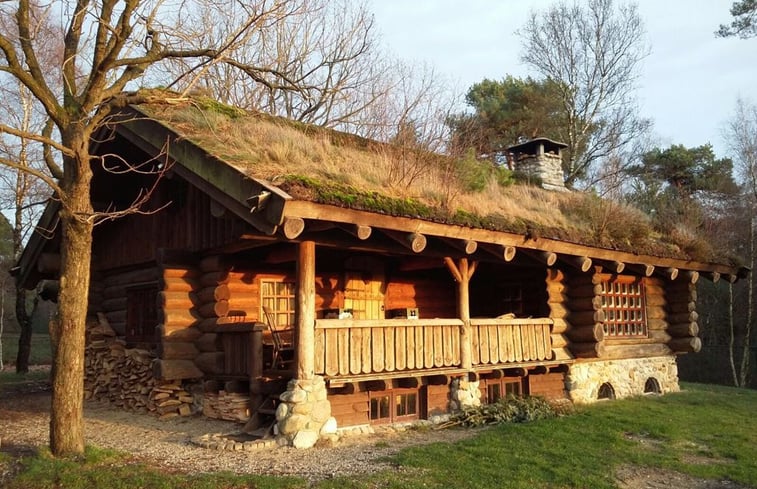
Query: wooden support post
(256, 376)
(462, 271)
(305, 314)
(293, 227)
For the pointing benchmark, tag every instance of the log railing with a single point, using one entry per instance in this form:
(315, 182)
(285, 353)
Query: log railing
(346, 347)
(497, 341)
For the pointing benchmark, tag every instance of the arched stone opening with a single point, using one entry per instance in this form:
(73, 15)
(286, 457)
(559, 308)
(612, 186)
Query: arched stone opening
(652, 386)
(606, 391)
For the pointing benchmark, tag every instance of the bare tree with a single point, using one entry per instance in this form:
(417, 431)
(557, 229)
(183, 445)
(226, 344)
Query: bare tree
(109, 47)
(593, 53)
(741, 134)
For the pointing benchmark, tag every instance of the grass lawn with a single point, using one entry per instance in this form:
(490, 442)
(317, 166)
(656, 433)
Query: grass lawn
(40, 353)
(705, 431)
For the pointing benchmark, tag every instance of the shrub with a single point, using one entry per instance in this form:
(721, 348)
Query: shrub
(508, 409)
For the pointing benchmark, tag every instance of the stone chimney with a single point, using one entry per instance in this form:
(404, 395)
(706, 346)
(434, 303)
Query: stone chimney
(540, 158)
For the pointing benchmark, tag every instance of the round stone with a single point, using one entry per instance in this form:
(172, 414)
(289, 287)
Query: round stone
(329, 427)
(304, 439)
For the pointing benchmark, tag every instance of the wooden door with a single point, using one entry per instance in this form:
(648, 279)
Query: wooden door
(364, 289)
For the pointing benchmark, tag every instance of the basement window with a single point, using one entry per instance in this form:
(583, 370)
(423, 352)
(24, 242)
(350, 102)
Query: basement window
(498, 388)
(141, 313)
(394, 406)
(278, 297)
(624, 304)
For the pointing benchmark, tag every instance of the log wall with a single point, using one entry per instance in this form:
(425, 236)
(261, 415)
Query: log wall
(185, 224)
(551, 386)
(683, 329)
(433, 298)
(557, 300)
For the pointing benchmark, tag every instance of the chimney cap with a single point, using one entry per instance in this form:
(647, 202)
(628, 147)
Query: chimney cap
(532, 146)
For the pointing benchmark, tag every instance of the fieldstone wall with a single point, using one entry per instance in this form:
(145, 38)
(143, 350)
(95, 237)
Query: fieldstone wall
(627, 377)
(464, 394)
(547, 167)
(304, 414)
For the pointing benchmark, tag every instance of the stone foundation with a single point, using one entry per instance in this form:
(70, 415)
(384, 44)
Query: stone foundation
(304, 414)
(464, 394)
(627, 377)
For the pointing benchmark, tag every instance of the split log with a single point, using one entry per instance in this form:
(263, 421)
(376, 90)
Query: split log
(589, 290)
(214, 309)
(588, 350)
(213, 263)
(213, 293)
(292, 227)
(209, 342)
(177, 317)
(683, 330)
(211, 279)
(175, 370)
(586, 304)
(682, 307)
(587, 333)
(177, 350)
(638, 350)
(211, 362)
(182, 333)
(685, 345)
(583, 318)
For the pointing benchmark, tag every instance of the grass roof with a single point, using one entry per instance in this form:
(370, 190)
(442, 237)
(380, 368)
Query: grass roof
(325, 166)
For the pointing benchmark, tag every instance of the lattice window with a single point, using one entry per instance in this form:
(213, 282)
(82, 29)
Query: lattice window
(141, 313)
(624, 304)
(278, 297)
(498, 388)
(394, 406)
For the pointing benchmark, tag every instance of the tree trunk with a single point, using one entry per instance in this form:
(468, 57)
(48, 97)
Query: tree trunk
(67, 332)
(25, 338)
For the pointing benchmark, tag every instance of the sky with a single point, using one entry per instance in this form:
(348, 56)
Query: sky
(688, 86)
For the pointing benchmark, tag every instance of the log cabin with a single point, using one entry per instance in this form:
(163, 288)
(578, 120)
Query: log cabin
(269, 277)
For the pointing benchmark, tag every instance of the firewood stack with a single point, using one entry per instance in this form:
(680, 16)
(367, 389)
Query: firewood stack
(123, 376)
(227, 401)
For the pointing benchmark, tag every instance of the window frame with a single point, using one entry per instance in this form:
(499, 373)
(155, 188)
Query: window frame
(285, 317)
(141, 302)
(503, 386)
(394, 398)
(624, 303)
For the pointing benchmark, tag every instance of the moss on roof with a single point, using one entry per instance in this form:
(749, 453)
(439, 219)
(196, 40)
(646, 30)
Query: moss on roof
(326, 166)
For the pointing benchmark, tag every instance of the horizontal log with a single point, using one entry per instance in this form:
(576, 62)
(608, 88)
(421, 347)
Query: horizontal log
(177, 317)
(558, 310)
(556, 288)
(683, 317)
(214, 309)
(690, 276)
(114, 304)
(588, 350)
(586, 290)
(582, 263)
(656, 312)
(178, 334)
(613, 266)
(211, 362)
(559, 340)
(209, 342)
(560, 325)
(638, 350)
(585, 304)
(176, 272)
(213, 293)
(133, 276)
(114, 292)
(175, 370)
(685, 345)
(586, 334)
(213, 263)
(178, 284)
(654, 289)
(679, 307)
(583, 318)
(292, 227)
(561, 353)
(116, 316)
(656, 324)
(659, 335)
(210, 279)
(175, 300)
(177, 350)
(655, 300)
(555, 275)
(682, 330)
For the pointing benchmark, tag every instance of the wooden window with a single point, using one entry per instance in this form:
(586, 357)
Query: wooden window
(141, 313)
(498, 388)
(624, 304)
(394, 406)
(278, 297)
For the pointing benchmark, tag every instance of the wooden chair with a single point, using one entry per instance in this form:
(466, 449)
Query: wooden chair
(280, 345)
